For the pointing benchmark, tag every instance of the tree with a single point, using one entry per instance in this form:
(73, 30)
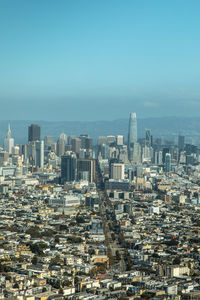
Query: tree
(101, 268)
(91, 251)
(34, 260)
(57, 240)
(176, 260)
(110, 256)
(118, 255)
(113, 236)
(56, 261)
(16, 286)
(34, 231)
(38, 248)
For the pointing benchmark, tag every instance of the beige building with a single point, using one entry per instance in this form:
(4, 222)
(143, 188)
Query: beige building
(117, 171)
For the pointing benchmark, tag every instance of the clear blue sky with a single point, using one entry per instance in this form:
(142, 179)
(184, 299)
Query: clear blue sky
(99, 59)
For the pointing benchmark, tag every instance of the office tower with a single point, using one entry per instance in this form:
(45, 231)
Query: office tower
(86, 169)
(82, 153)
(63, 136)
(117, 171)
(189, 148)
(105, 151)
(136, 153)
(31, 153)
(39, 154)
(181, 142)
(165, 151)
(168, 162)
(8, 141)
(60, 147)
(15, 150)
(68, 167)
(182, 159)
(123, 154)
(86, 153)
(89, 143)
(61, 144)
(23, 151)
(86, 142)
(3, 158)
(148, 138)
(132, 135)
(158, 157)
(76, 144)
(146, 153)
(120, 140)
(33, 133)
(190, 159)
(110, 139)
(68, 148)
(48, 142)
(102, 140)
(160, 161)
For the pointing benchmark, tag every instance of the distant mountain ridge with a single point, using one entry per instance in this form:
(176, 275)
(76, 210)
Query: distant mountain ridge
(167, 127)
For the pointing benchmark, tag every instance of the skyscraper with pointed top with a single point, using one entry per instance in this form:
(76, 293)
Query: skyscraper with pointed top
(132, 135)
(8, 141)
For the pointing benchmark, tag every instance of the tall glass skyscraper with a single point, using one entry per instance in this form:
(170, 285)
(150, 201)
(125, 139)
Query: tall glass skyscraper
(132, 135)
(33, 133)
(68, 167)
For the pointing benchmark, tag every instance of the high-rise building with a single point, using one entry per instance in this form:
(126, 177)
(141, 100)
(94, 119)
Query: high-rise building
(181, 142)
(165, 151)
(76, 144)
(3, 158)
(110, 139)
(146, 153)
(105, 151)
(117, 171)
(68, 167)
(136, 153)
(120, 140)
(61, 142)
(63, 136)
(148, 138)
(168, 162)
(158, 157)
(31, 153)
(86, 142)
(48, 142)
(33, 133)
(39, 154)
(8, 141)
(23, 151)
(123, 155)
(86, 169)
(132, 135)
(102, 140)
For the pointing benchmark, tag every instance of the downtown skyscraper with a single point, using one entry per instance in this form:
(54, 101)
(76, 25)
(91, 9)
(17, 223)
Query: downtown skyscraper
(33, 133)
(8, 141)
(132, 135)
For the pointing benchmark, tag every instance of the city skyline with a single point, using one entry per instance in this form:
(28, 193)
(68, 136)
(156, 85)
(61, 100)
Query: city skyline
(104, 58)
(99, 149)
(168, 127)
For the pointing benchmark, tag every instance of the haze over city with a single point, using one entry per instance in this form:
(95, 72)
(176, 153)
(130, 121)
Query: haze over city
(99, 150)
(99, 60)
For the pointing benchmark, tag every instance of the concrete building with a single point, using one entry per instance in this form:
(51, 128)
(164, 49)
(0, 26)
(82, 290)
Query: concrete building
(86, 169)
(117, 171)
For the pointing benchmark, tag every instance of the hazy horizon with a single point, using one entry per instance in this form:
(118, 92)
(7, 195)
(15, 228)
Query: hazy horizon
(91, 60)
